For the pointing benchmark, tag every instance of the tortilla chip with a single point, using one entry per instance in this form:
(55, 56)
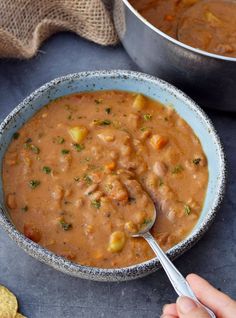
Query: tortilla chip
(8, 303)
(18, 315)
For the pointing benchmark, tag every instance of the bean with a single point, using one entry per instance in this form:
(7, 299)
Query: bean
(160, 169)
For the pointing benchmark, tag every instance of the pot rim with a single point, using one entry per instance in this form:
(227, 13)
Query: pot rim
(169, 38)
(141, 269)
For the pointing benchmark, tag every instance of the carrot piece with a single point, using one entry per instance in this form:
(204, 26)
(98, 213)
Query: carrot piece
(110, 166)
(158, 142)
(169, 17)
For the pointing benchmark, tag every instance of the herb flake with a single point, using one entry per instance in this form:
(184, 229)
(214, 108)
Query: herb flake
(34, 149)
(66, 226)
(105, 122)
(98, 101)
(196, 161)
(177, 169)
(65, 151)
(25, 208)
(87, 179)
(96, 204)
(47, 170)
(59, 140)
(147, 117)
(34, 184)
(79, 147)
(187, 209)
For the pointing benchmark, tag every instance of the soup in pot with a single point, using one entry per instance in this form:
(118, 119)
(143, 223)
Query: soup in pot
(209, 25)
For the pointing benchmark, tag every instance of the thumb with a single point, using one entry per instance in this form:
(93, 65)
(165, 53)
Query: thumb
(187, 308)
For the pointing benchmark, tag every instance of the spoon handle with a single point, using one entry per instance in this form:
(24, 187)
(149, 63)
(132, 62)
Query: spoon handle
(179, 283)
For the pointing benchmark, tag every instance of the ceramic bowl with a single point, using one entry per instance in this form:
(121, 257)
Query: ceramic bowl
(129, 81)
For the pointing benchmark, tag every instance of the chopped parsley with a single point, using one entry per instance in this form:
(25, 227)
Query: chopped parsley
(187, 209)
(144, 128)
(98, 101)
(177, 169)
(16, 135)
(79, 147)
(47, 170)
(96, 204)
(66, 226)
(34, 183)
(105, 122)
(59, 140)
(161, 182)
(87, 179)
(77, 179)
(147, 117)
(108, 110)
(25, 208)
(34, 149)
(65, 151)
(108, 187)
(196, 161)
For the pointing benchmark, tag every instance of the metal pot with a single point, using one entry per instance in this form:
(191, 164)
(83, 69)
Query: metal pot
(208, 78)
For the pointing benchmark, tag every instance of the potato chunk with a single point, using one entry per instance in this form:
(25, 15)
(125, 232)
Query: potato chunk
(116, 242)
(78, 133)
(139, 102)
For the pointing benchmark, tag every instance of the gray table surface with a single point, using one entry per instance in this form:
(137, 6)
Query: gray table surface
(44, 292)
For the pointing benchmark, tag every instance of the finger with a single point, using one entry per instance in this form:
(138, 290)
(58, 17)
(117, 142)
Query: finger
(170, 309)
(221, 304)
(187, 308)
(168, 316)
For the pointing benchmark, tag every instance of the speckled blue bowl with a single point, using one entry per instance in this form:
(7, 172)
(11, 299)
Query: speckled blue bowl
(130, 81)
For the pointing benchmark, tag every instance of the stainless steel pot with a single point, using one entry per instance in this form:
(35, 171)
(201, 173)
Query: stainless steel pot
(209, 79)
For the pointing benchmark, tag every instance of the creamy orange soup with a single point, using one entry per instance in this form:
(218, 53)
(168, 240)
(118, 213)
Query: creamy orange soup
(209, 25)
(78, 177)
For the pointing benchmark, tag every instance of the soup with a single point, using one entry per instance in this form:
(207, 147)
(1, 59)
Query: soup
(209, 25)
(79, 174)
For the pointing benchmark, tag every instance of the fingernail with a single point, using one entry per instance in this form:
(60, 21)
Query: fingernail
(185, 304)
(163, 308)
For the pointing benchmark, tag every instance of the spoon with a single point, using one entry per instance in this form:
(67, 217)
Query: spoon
(177, 280)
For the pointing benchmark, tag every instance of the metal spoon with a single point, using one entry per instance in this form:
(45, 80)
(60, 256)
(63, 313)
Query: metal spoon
(177, 280)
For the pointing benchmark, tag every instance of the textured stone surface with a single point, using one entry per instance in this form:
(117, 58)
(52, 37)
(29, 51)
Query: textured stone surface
(44, 292)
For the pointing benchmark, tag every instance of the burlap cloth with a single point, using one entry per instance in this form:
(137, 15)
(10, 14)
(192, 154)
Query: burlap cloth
(25, 24)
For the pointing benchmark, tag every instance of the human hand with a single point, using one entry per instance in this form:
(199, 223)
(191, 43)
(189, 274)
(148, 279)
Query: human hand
(222, 305)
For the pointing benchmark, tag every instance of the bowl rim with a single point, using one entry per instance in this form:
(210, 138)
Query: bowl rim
(140, 269)
(169, 38)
